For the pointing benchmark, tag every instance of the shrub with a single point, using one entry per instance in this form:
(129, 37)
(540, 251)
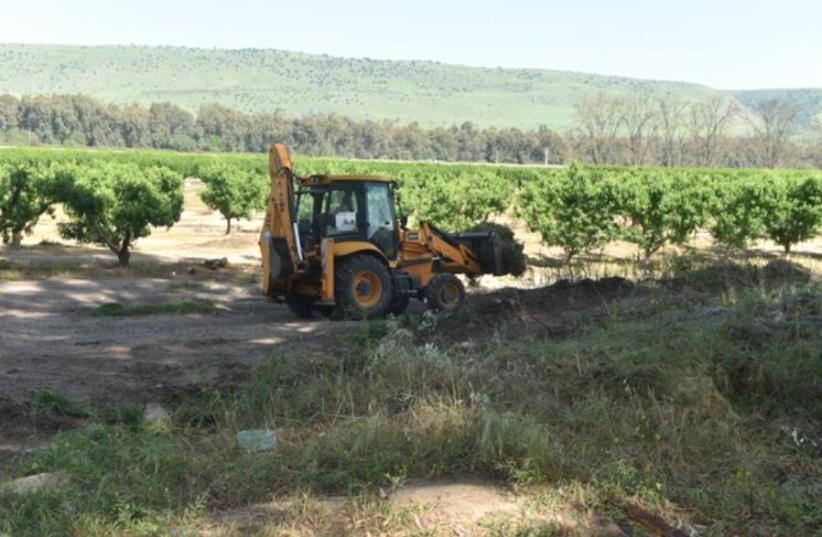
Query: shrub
(456, 200)
(660, 209)
(794, 210)
(738, 212)
(575, 211)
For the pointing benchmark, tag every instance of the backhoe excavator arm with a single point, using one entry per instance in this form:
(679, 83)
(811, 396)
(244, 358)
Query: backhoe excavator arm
(279, 237)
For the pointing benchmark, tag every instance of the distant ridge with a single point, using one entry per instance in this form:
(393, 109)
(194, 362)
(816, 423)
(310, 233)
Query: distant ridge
(263, 80)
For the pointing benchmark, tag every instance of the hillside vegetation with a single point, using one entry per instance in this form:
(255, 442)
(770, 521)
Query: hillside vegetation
(253, 80)
(807, 100)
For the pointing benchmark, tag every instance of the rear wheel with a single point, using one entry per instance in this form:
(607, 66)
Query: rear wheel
(299, 305)
(444, 292)
(362, 287)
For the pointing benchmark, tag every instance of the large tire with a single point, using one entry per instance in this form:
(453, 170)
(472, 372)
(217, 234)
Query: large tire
(299, 305)
(362, 287)
(445, 292)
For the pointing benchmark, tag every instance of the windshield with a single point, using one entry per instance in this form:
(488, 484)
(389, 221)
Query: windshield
(380, 218)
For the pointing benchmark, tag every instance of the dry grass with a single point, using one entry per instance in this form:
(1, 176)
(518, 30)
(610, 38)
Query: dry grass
(711, 422)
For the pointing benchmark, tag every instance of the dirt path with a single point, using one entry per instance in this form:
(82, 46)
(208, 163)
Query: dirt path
(50, 341)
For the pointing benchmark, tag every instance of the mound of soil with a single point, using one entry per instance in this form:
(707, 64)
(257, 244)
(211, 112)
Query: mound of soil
(553, 310)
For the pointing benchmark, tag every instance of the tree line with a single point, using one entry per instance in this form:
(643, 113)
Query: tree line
(115, 201)
(637, 129)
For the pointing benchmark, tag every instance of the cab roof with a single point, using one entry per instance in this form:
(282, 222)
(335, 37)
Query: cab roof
(326, 179)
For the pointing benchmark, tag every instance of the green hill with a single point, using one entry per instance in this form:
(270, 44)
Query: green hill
(808, 100)
(430, 93)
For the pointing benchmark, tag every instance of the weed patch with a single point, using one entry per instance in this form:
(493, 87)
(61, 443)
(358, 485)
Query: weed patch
(708, 421)
(180, 307)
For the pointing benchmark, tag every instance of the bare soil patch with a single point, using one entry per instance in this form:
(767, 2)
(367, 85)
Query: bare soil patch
(50, 341)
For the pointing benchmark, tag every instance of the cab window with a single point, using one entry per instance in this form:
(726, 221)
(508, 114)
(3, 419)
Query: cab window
(343, 212)
(382, 228)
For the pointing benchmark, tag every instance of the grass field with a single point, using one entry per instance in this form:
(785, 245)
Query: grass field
(297, 83)
(689, 389)
(698, 404)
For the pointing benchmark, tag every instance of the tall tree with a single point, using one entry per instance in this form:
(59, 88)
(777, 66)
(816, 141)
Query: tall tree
(672, 113)
(708, 122)
(600, 116)
(171, 127)
(9, 112)
(641, 119)
(777, 123)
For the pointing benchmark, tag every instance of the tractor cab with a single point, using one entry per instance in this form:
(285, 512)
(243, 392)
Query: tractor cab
(347, 209)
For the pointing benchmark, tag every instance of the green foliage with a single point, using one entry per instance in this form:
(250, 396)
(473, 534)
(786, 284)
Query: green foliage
(793, 210)
(455, 200)
(26, 193)
(720, 417)
(55, 403)
(577, 211)
(431, 94)
(661, 208)
(120, 475)
(232, 191)
(739, 212)
(115, 204)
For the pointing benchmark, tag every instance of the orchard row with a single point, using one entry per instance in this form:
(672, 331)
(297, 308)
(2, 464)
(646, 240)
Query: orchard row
(115, 197)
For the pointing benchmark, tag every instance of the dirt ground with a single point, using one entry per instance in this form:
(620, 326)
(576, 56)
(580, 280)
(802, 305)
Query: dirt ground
(438, 506)
(50, 341)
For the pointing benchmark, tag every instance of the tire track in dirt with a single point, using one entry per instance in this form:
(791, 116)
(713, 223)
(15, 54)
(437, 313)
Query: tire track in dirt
(49, 341)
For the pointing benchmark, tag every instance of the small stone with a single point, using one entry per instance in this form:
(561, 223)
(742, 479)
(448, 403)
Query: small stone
(257, 440)
(216, 264)
(33, 483)
(154, 413)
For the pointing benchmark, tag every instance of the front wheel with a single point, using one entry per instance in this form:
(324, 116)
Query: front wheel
(444, 292)
(362, 287)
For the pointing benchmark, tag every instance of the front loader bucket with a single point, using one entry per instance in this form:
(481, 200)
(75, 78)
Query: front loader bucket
(488, 249)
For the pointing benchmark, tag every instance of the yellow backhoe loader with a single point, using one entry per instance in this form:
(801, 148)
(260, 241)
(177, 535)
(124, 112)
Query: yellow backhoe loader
(335, 244)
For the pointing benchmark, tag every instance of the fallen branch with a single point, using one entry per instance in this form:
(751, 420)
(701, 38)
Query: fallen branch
(649, 521)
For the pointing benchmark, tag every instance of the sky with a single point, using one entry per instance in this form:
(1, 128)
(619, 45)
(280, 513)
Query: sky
(730, 44)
